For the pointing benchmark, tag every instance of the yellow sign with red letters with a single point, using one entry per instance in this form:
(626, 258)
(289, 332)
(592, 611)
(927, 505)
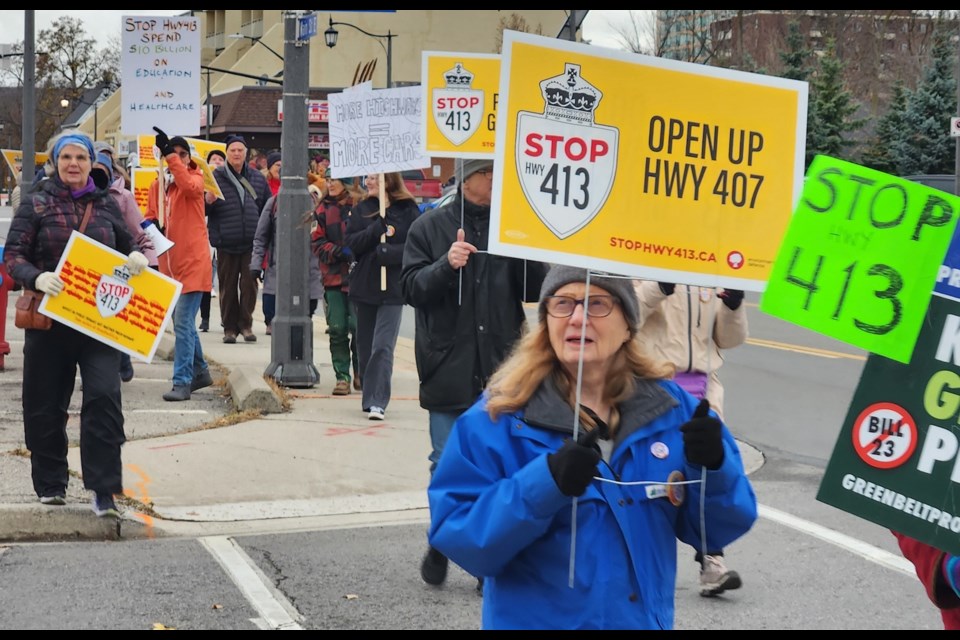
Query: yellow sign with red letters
(102, 300)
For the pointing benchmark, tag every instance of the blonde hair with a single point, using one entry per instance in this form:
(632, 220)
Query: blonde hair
(533, 360)
(395, 189)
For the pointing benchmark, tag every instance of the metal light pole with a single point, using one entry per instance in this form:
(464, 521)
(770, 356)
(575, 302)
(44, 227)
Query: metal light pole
(29, 132)
(291, 349)
(331, 34)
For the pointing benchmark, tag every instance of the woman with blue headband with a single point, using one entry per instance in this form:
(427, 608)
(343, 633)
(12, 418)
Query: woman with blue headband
(67, 200)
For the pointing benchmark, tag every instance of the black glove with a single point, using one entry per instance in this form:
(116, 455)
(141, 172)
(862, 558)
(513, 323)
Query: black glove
(732, 298)
(702, 439)
(257, 274)
(575, 464)
(163, 142)
(667, 288)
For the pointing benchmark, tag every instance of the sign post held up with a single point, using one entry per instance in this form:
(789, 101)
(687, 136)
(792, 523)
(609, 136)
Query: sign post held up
(291, 352)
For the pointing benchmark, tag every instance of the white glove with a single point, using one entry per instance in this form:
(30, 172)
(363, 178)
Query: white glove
(136, 263)
(49, 283)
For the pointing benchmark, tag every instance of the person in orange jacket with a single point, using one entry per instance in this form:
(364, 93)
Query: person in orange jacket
(187, 261)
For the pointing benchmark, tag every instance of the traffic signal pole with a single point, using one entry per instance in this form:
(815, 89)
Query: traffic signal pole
(291, 349)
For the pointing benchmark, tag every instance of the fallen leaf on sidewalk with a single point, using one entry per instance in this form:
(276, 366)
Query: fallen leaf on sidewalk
(352, 596)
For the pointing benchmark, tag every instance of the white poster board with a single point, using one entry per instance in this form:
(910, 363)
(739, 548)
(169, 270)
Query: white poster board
(160, 62)
(375, 131)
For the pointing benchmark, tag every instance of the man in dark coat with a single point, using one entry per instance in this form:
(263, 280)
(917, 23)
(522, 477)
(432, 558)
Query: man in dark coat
(469, 310)
(232, 224)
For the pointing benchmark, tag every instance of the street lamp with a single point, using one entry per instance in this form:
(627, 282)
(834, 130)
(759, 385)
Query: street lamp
(237, 36)
(330, 37)
(64, 102)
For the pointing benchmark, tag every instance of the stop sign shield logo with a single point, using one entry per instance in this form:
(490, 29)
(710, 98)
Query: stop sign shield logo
(566, 162)
(113, 292)
(458, 109)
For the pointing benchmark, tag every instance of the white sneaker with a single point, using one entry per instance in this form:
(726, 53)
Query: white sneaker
(715, 578)
(375, 413)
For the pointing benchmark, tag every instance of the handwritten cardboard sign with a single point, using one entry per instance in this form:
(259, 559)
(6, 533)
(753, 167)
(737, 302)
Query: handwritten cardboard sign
(375, 131)
(861, 255)
(160, 62)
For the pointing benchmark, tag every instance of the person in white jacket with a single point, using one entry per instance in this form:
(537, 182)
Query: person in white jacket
(689, 326)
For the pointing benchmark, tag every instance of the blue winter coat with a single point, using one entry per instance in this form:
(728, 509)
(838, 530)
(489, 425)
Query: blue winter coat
(497, 512)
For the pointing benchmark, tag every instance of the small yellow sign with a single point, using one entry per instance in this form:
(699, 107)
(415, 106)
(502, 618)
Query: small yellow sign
(460, 104)
(102, 300)
(149, 158)
(140, 181)
(14, 159)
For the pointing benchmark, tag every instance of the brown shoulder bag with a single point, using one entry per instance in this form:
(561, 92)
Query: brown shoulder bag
(28, 316)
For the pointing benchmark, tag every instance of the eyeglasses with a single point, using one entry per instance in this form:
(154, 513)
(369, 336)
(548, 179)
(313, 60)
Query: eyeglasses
(564, 306)
(485, 172)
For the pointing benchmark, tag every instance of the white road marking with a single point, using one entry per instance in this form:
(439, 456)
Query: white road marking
(277, 613)
(858, 547)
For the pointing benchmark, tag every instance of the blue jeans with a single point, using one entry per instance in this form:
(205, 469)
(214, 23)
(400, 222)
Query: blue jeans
(187, 353)
(441, 424)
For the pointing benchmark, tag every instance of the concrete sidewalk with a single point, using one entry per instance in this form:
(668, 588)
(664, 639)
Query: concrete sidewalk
(321, 464)
(321, 459)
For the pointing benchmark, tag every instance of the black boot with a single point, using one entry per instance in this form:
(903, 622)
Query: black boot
(433, 569)
(179, 392)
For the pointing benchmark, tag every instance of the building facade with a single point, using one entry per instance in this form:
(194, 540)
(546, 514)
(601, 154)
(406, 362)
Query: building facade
(242, 62)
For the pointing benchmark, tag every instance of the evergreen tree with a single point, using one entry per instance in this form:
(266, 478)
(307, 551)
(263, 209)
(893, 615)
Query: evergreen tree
(796, 56)
(926, 146)
(880, 154)
(833, 108)
(795, 61)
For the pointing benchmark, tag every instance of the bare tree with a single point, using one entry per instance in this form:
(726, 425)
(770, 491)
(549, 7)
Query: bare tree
(513, 22)
(635, 32)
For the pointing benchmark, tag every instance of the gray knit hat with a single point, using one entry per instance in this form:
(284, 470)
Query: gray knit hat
(473, 165)
(619, 286)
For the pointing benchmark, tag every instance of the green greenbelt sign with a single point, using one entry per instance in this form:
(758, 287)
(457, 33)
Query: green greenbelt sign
(860, 257)
(895, 462)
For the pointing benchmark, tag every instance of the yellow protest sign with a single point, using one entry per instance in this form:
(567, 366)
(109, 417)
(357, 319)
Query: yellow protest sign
(14, 159)
(102, 300)
(643, 166)
(461, 91)
(140, 181)
(209, 182)
(149, 157)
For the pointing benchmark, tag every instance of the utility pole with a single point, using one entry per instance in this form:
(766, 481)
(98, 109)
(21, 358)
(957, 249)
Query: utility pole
(572, 25)
(28, 133)
(291, 350)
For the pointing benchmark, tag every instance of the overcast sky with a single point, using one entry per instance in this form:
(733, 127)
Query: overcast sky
(102, 25)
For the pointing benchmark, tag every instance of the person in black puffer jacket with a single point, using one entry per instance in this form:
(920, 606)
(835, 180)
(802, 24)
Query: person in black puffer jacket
(377, 244)
(231, 224)
(47, 216)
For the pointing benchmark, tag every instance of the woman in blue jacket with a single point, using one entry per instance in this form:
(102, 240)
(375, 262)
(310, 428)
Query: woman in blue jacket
(651, 459)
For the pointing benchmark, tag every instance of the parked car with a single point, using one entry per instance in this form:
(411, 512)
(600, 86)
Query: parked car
(438, 202)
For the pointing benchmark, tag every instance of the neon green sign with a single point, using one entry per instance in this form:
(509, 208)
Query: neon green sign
(860, 257)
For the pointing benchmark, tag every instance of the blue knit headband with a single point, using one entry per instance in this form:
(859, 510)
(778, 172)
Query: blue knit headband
(77, 139)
